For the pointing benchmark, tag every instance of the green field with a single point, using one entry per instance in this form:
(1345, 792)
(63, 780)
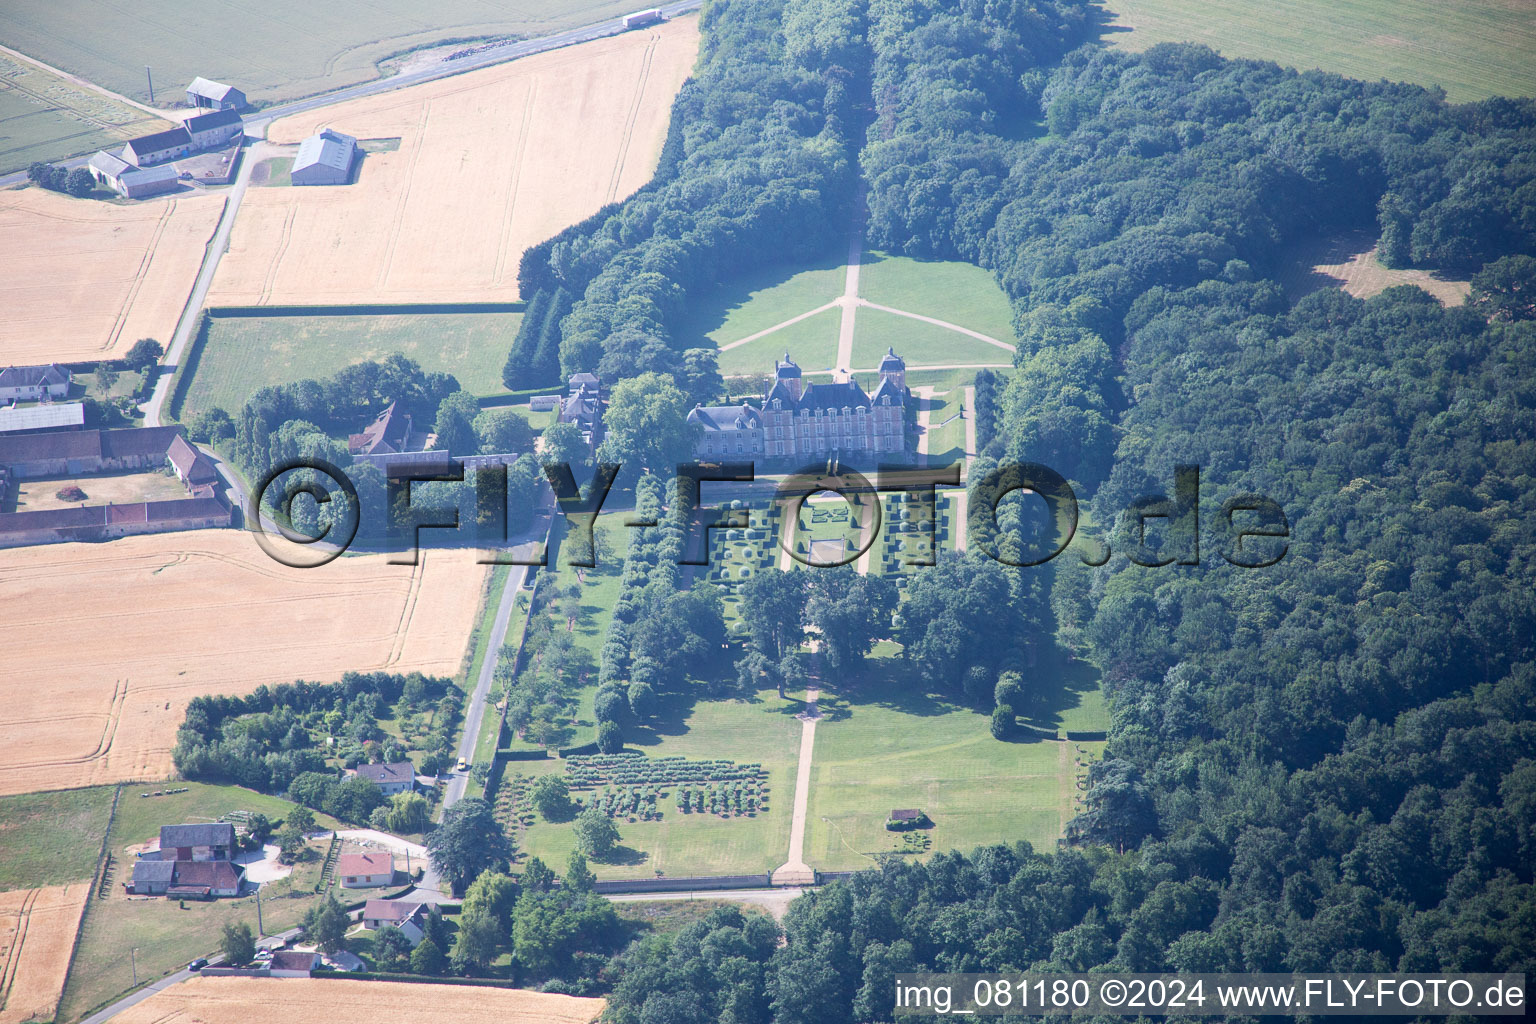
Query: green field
(243, 354)
(165, 934)
(811, 343)
(272, 51)
(946, 436)
(51, 838)
(757, 301)
(45, 117)
(919, 343)
(1473, 48)
(961, 293)
(762, 729)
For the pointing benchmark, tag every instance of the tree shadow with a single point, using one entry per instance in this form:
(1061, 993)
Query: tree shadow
(714, 308)
(624, 856)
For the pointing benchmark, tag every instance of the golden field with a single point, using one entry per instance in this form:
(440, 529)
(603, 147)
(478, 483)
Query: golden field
(489, 163)
(106, 643)
(297, 1000)
(37, 935)
(82, 279)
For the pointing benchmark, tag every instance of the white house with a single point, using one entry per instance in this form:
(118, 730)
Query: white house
(365, 870)
(33, 383)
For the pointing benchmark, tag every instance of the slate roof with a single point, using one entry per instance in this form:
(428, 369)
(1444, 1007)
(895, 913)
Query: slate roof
(139, 176)
(725, 417)
(33, 376)
(836, 395)
(168, 139)
(786, 369)
(399, 771)
(389, 910)
(219, 833)
(906, 814)
(891, 361)
(293, 960)
(154, 871)
(327, 148)
(213, 119)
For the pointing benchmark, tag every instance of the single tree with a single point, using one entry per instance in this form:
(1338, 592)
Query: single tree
(1002, 723)
(326, 925)
(469, 840)
(647, 423)
(238, 944)
(773, 610)
(1010, 692)
(80, 183)
(563, 443)
(391, 949)
(106, 377)
(143, 356)
(552, 797)
(455, 424)
(579, 877)
(493, 893)
(610, 738)
(536, 877)
(409, 814)
(477, 943)
(427, 958)
(502, 431)
(596, 834)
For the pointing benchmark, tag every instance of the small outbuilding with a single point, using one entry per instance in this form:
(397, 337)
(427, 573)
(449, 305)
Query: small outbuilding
(904, 818)
(214, 95)
(365, 870)
(292, 963)
(324, 159)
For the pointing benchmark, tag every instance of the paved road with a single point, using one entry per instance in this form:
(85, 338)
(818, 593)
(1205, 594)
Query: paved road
(186, 327)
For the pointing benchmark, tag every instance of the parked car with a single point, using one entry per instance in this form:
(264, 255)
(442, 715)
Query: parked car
(198, 964)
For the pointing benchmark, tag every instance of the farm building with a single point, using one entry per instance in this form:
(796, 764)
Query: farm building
(197, 879)
(543, 403)
(399, 777)
(75, 452)
(39, 418)
(146, 150)
(213, 129)
(214, 841)
(387, 434)
(214, 95)
(106, 522)
(31, 383)
(129, 180)
(191, 466)
(365, 870)
(324, 159)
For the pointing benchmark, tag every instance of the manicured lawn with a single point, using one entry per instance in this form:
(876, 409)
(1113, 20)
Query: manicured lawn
(243, 354)
(883, 747)
(762, 729)
(919, 343)
(961, 293)
(163, 934)
(51, 838)
(275, 171)
(1472, 49)
(946, 440)
(812, 343)
(759, 300)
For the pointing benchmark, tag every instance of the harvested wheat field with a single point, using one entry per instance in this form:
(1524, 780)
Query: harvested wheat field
(37, 934)
(82, 280)
(489, 163)
(116, 638)
(300, 1000)
(1349, 261)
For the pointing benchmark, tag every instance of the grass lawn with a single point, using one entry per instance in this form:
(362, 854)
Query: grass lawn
(919, 343)
(51, 838)
(882, 747)
(273, 171)
(961, 293)
(275, 50)
(162, 934)
(812, 343)
(243, 354)
(1473, 49)
(757, 301)
(946, 437)
(762, 729)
